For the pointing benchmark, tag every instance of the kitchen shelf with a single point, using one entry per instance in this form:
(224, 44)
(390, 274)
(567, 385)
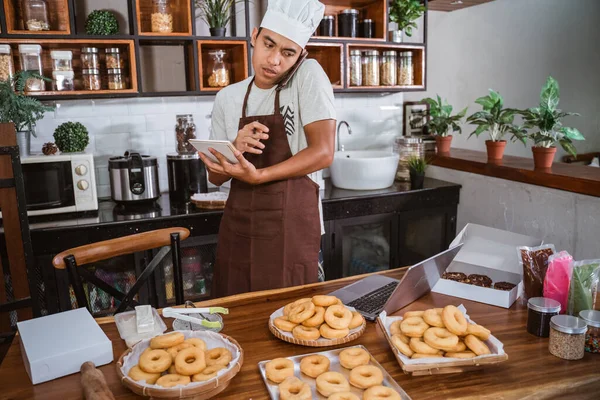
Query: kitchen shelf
(330, 56)
(236, 59)
(167, 67)
(182, 18)
(119, 8)
(58, 16)
(371, 9)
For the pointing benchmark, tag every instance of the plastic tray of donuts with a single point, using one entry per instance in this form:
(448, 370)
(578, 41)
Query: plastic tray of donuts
(349, 373)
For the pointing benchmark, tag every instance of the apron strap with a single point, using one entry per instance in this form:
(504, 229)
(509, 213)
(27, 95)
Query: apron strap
(246, 98)
(277, 112)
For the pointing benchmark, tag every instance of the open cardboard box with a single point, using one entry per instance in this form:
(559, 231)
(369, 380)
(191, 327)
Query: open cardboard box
(487, 251)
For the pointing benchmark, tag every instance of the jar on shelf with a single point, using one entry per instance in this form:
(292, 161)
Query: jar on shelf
(370, 68)
(185, 129)
(91, 79)
(116, 81)
(388, 68)
(367, 28)
(348, 23)
(162, 16)
(89, 58)
(406, 148)
(62, 60)
(63, 80)
(113, 58)
(219, 75)
(31, 60)
(567, 337)
(592, 336)
(406, 69)
(326, 27)
(35, 15)
(539, 312)
(7, 66)
(356, 68)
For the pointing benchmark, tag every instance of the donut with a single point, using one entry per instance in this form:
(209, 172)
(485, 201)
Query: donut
(207, 373)
(325, 301)
(365, 376)
(395, 327)
(190, 361)
(476, 345)
(316, 320)
(293, 388)
(507, 286)
(138, 374)
(332, 382)
(278, 369)
(329, 333)
(381, 393)
(401, 345)
(171, 380)
(343, 396)
(354, 357)
(460, 346)
(461, 354)
(172, 369)
(176, 349)
(305, 333)
(166, 341)
(417, 355)
(218, 356)
(284, 324)
(454, 320)
(479, 280)
(440, 338)
(454, 276)
(301, 312)
(196, 342)
(288, 307)
(155, 361)
(413, 326)
(357, 320)
(409, 314)
(338, 317)
(478, 331)
(314, 365)
(433, 317)
(419, 346)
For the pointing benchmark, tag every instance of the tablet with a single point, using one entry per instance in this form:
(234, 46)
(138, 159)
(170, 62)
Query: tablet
(224, 147)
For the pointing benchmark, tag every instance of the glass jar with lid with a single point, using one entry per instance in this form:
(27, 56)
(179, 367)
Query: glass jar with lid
(356, 68)
(219, 69)
(567, 337)
(370, 68)
(185, 129)
(62, 60)
(7, 66)
(35, 15)
(348, 23)
(406, 69)
(367, 28)
(91, 79)
(63, 80)
(116, 81)
(162, 16)
(539, 312)
(31, 60)
(406, 148)
(113, 58)
(592, 336)
(326, 27)
(89, 58)
(388, 68)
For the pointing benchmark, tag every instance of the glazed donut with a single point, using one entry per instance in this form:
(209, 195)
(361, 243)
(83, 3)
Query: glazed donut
(460, 346)
(395, 327)
(338, 317)
(365, 376)
(284, 324)
(176, 349)
(138, 374)
(293, 388)
(357, 320)
(433, 317)
(301, 312)
(207, 373)
(325, 301)
(171, 380)
(329, 333)
(314, 365)
(419, 346)
(476, 345)
(440, 338)
(218, 356)
(417, 355)
(343, 396)
(155, 361)
(332, 382)
(461, 354)
(454, 320)
(288, 307)
(196, 342)
(166, 341)
(381, 393)
(190, 361)
(317, 319)
(354, 357)
(279, 369)
(409, 314)
(401, 345)
(305, 333)
(478, 331)
(413, 326)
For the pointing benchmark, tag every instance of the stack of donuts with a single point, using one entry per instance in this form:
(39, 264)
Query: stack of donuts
(316, 317)
(439, 332)
(173, 360)
(330, 384)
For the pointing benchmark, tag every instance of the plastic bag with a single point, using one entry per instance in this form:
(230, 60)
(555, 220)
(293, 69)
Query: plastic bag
(534, 261)
(558, 278)
(584, 286)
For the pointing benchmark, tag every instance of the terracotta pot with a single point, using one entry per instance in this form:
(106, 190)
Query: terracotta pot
(443, 143)
(495, 150)
(543, 157)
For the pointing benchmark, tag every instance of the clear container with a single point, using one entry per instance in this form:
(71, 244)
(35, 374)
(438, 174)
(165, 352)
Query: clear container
(35, 15)
(592, 336)
(63, 80)
(185, 129)
(7, 66)
(113, 58)
(62, 60)
(355, 68)
(540, 311)
(567, 337)
(162, 16)
(407, 147)
(91, 79)
(370, 68)
(348, 23)
(116, 81)
(388, 68)
(31, 60)
(89, 58)
(406, 76)
(127, 326)
(219, 68)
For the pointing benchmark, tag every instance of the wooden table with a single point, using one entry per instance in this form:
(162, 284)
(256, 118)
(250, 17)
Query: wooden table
(531, 372)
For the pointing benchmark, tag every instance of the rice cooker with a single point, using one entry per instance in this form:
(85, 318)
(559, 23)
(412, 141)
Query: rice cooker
(133, 178)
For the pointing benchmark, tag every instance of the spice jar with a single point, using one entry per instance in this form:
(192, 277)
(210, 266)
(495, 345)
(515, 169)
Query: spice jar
(35, 15)
(89, 58)
(348, 23)
(91, 79)
(355, 68)
(370, 68)
(162, 17)
(367, 28)
(113, 58)
(219, 76)
(326, 26)
(592, 336)
(405, 69)
(63, 80)
(31, 60)
(539, 312)
(567, 337)
(7, 67)
(185, 129)
(62, 60)
(388, 68)
(406, 148)
(115, 79)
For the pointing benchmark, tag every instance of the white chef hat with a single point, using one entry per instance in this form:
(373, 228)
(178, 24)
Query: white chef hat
(297, 20)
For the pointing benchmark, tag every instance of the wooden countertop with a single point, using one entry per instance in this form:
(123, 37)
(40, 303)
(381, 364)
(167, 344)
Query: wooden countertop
(531, 371)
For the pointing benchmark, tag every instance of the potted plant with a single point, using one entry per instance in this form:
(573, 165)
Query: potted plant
(498, 122)
(71, 137)
(216, 14)
(101, 23)
(21, 110)
(416, 168)
(442, 123)
(405, 13)
(547, 128)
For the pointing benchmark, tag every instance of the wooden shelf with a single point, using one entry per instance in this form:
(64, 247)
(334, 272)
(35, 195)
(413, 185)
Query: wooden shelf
(371, 9)
(58, 16)
(182, 18)
(236, 59)
(167, 67)
(330, 56)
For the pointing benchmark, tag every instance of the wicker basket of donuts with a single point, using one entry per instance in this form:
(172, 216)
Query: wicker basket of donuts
(316, 322)
(181, 365)
(440, 341)
(349, 373)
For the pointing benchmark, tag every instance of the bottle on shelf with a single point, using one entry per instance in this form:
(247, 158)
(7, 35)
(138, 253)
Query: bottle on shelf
(62, 60)
(89, 58)
(91, 79)
(326, 27)
(356, 68)
(162, 16)
(31, 60)
(370, 68)
(113, 58)
(35, 15)
(388, 68)
(7, 67)
(63, 80)
(116, 80)
(219, 69)
(348, 23)
(406, 69)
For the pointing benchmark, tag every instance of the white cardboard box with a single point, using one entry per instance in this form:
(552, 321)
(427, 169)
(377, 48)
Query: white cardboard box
(487, 251)
(57, 345)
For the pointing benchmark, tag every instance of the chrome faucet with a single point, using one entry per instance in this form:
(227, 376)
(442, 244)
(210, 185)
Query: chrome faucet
(341, 146)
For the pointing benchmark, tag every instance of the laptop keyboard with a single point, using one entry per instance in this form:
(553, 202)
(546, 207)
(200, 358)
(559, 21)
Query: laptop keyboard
(373, 302)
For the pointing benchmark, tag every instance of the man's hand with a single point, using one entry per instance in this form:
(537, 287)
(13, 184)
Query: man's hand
(244, 170)
(249, 137)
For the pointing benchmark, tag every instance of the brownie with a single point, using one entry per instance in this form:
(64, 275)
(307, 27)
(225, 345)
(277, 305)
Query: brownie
(504, 286)
(479, 280)
(454, 276)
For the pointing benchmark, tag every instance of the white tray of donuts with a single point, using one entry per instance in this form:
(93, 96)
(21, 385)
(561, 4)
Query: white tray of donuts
(440, 340)
(181, 364)
(317, 321)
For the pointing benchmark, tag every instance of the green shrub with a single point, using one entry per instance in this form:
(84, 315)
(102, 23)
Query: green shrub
(71, 137)
(101, 23)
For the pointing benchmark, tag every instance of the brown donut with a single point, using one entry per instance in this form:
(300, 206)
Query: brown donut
(454, 276)
(504, 286)
(480, 280)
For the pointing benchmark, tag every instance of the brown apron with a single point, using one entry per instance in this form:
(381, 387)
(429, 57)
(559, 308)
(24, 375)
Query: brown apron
(270, 234)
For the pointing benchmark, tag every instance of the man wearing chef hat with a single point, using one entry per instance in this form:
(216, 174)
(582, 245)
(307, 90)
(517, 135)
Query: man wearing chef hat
(282, 123)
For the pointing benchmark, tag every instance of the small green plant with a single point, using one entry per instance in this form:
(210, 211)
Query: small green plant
(441, 121)
(417, 164)
(405, 13)
(71, 137)
(216, 13)
(101, 23)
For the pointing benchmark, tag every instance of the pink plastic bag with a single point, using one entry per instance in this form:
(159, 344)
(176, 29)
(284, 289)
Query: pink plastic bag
(558, 278)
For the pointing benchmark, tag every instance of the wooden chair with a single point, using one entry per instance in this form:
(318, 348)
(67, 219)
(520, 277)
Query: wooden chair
(169, 241)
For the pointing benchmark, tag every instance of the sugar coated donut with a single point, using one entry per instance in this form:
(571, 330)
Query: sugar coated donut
(401, 345)
(343, 396)
(155, 361)
(413, 326)
(284, 324)
(433, 317)
(409, 314)
(317, 319)
(314, 365)
(478, 331)
(338, 317)
(278, 369)
(325, 301)
(301, 312)
(440, 338)
(395, 327)
(190, 361)
(329, 333)
(171, 380)
(381, 393)
(288, 307)
(366, 376)
(354, 357)
(138, 374)
(357, 320)
(218, 356)
(462, 354)
(454, 320)
(207, 373)
(332, 382)
(166, 341)
(293, 388)
(305, 333)
(417, 355)
(419, 346)
(176, 349)
(476, 345)
(196, 342)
